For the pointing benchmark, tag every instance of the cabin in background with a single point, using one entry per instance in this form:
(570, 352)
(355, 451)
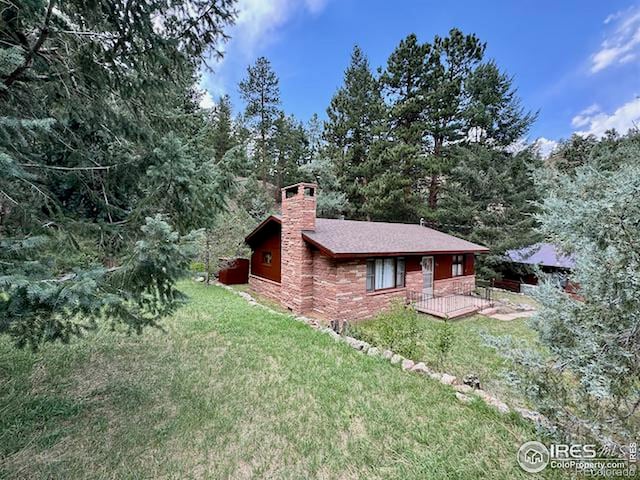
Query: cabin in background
(520, 275)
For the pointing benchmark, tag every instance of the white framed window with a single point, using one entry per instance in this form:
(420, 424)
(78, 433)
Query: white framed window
(457, 266)
(385, 273)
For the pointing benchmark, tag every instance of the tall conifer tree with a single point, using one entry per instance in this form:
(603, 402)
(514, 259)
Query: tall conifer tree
(260, 91)
(222, 135)
(101, 181)
(355, 118)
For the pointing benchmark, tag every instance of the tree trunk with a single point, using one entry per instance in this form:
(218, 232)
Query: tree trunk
(263, 136)
(434, 185)
(208, 257)
(279, 185)
(263, 154)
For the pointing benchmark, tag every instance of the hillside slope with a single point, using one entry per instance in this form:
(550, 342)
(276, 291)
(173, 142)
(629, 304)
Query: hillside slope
(230, 391)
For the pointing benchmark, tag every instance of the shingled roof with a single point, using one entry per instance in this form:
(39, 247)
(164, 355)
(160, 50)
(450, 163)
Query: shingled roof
(351, 238)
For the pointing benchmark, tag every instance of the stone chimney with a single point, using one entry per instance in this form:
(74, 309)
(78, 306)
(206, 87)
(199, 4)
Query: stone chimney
(298, 215)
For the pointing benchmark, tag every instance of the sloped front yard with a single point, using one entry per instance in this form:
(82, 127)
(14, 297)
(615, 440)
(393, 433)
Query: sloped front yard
(469, 352)
(231, 391)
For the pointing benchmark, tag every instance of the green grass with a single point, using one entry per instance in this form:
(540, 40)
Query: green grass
(232, 391)
(514, 297)
(267, 302)
(469, 353)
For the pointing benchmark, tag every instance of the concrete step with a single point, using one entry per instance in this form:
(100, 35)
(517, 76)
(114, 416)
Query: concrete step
(463, 312)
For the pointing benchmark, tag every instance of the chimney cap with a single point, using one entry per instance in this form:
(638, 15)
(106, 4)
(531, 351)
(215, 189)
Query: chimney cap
(300, 184)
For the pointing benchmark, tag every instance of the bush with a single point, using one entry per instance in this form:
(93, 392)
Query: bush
(197, 267)
(394, 329)
(444, 342)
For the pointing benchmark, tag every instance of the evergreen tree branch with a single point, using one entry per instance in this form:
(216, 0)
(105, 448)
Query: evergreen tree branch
(44, 33)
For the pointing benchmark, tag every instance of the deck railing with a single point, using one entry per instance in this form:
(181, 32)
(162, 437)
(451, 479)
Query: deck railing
(460, 297)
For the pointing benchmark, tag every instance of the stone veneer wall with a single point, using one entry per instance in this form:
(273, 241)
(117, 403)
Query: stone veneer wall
(338, 288)
(353, 302)
(298, 214)
(266, 287)
(324, 286)
(448, 286)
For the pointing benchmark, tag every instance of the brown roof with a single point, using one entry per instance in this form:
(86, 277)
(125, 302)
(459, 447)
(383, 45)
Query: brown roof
(351, 238)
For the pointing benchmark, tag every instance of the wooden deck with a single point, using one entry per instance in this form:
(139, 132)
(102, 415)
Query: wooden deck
(451, 306)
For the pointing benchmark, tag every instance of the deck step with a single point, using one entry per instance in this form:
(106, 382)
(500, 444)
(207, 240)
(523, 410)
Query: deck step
(456, 314)
(489, 311)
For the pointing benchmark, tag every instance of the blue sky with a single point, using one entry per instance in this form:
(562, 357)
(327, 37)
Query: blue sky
(577, 62)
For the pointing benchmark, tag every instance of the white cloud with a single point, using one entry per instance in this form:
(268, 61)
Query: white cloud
(598, 122)
(542, 145)
(622, 43)
(545, 146)
(259, 20)
(585, 116)
(257, 25)
(206, 101)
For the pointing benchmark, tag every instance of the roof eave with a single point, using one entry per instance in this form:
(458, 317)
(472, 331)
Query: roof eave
(405, 254)
(270, 218)
(319, 246)
(540, 264)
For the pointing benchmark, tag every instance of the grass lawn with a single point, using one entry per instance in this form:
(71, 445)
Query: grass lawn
(469, 353)
(514, 297)
(231, 391)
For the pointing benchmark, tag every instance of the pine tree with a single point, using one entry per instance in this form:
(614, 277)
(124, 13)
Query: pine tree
(86, 233)
(290, 146)
(318, 168)
(260, 91)
(404, 82)
(355, 115)
(494, 113)
(441, 96)
(222, 135)
(314, 135)
(394, 192)
(604, 152)
(491, 200)
(451, 60)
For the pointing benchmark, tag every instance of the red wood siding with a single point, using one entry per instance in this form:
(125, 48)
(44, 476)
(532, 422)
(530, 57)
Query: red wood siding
(412, 264)
(442, 266)
(444, 262)
(469, 264)
(268, 241)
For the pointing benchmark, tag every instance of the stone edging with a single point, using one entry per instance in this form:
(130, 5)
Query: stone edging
(463, 392)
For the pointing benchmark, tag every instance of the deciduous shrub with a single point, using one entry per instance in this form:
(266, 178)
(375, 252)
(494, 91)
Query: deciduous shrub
(444, 342)
(197, 267)
(394, 329)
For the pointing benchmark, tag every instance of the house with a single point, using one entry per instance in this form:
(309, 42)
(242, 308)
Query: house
(520, 273)
(348, 270)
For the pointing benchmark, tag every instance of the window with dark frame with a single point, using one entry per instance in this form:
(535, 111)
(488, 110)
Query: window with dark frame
(385, 273)
(457, 266)
(266, 258)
